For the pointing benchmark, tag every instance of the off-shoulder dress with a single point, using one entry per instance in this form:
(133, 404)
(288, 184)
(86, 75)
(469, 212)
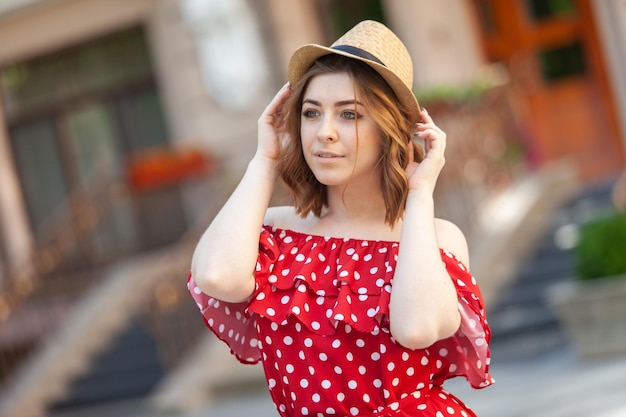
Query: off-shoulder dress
(319, 322)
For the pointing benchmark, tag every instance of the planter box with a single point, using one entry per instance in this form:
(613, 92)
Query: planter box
(593, 314)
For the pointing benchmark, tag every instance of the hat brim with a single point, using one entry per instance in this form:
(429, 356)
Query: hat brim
(304, 57)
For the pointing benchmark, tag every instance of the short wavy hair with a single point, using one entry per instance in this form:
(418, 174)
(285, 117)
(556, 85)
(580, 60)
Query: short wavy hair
(394, 127)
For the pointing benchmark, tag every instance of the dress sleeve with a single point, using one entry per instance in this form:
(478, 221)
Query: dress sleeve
(467, 351)
(232, 322)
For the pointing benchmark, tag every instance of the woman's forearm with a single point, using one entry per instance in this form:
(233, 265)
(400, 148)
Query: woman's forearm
(224, 260)
(423, 307)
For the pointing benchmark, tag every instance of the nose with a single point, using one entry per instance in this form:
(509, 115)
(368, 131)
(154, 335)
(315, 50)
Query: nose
(327, 131)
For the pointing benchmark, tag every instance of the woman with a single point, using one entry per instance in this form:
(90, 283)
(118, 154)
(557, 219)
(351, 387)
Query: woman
(357, 299)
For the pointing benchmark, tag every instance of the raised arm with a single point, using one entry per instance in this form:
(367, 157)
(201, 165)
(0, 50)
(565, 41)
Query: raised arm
(224, 260)
(423, 306)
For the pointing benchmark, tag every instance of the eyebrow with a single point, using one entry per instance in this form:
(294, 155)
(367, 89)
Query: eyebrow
(337, 104)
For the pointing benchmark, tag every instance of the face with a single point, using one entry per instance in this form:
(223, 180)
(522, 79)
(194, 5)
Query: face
(340, 140)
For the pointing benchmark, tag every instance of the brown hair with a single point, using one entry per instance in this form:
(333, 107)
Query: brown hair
(394, 128)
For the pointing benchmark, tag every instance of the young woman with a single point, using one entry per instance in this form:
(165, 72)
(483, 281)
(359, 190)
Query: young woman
(357, 300)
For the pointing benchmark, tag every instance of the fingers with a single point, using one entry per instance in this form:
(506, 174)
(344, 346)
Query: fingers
(274, 107)
(430, 133)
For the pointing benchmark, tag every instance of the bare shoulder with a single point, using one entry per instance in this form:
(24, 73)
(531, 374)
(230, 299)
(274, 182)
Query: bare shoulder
(283, 217)
(452, 239)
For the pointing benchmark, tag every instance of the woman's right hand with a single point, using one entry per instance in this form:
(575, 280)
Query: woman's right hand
(271, 125)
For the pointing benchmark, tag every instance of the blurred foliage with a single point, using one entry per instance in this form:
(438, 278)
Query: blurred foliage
(453, 93)
(601, 249)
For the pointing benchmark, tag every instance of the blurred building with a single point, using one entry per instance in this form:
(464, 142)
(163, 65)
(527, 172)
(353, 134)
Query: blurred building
(118, 117)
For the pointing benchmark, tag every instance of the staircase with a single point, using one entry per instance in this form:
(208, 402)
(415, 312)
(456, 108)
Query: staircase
(522, 322)
(129, 369)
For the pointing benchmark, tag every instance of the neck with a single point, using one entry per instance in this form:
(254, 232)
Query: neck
(354, 203)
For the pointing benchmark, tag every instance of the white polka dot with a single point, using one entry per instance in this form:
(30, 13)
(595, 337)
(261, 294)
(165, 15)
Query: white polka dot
(290, 368)
(341, 396)
(304, 383)
(330, 410)
(336, 343)
(308, 342)
(378, 383)
(285, 299)
(354, 411)
(352, 384)
(373, 270)
(300, 257)
(366, 398)
(450, 410)
(375, 356)
(395, 382)
(362, 370)
(315, 325)
(270, 312)
(424, 360)
(323, 357)
(410, 371)
(391, 366)
(338, 370)
(316, 398)
(325, 384)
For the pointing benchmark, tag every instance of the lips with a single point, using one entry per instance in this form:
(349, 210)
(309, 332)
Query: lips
(327, 155)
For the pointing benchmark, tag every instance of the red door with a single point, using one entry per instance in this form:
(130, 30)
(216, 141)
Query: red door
(552, 52)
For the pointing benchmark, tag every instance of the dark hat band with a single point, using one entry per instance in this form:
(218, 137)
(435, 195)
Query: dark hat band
(353, 50)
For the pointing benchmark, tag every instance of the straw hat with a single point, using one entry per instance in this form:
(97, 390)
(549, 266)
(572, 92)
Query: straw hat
(370, 42)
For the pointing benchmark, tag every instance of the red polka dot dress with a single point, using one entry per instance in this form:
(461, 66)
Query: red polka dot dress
(319, 322)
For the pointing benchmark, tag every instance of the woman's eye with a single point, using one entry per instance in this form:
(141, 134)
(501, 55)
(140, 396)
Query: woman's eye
(309, 113)
(350, 115)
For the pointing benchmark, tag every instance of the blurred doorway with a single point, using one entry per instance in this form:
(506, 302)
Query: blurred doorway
(552, 51)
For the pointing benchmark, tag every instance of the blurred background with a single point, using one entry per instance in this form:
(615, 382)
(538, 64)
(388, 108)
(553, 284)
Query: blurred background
(125, 124)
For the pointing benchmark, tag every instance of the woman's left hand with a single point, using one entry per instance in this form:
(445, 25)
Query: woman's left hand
(423, 176)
